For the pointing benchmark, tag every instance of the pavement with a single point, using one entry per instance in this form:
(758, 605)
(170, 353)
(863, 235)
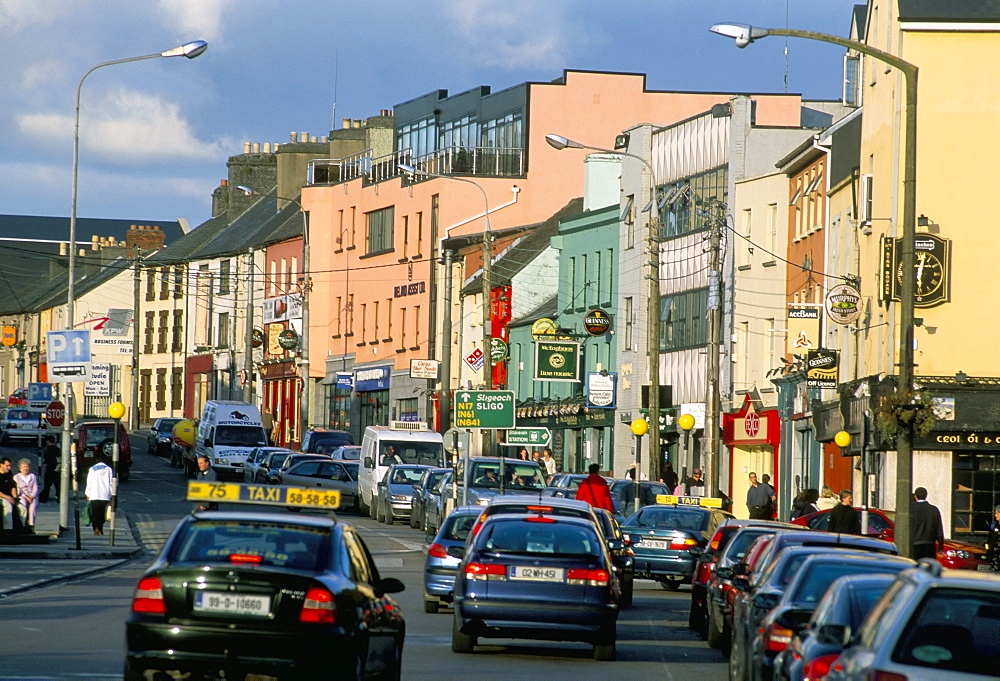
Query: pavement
(28, 566)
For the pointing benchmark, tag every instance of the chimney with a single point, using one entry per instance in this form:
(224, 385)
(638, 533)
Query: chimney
(246, 147)
(346, 123)
(294, 136)
(145, 237)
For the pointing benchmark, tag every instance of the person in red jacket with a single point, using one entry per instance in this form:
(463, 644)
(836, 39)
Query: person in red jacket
(594, 490)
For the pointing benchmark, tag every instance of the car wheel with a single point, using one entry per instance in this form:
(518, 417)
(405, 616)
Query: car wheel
(387, 517)
(696, 620)
(131, 674)
(605, 651)
(431, 606)
(671, 584)
(363, 509)
(461, 642)
(713, 635)
(413, 520)
(627, 595)
(394, 670)
(107, 447)
(376, 510)
(356, 672)
(736, 672)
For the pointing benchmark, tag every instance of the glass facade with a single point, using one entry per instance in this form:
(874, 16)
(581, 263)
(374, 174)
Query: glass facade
(684, 319)
(681, 214)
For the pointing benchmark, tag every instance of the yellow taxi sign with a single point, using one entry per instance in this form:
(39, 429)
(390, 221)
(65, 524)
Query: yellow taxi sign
(268, 495)
(707, 502)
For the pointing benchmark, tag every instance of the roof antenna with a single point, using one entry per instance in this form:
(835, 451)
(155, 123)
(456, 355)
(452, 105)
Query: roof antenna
(336, 76)
(786, 48)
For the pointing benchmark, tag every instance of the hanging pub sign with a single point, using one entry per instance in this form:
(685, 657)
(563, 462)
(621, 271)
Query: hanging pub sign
(9, 335)
(257, 338)
(821, 368)
(597, 322)
(803, 330)
(601, 389)
(557, 361)
(932, 270)
(288, 339)
(843, 304)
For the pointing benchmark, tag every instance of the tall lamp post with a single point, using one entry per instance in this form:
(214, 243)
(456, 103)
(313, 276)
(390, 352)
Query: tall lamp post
(746, 34)
(304, 409)
(487, 290)
(115, 410)
(653, 308)
(189, 50)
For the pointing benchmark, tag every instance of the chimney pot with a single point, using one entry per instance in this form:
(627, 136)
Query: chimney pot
(346, 122)
(223, 183)
(294, 136)
(256, 147)
(267, 147)
(246, 147)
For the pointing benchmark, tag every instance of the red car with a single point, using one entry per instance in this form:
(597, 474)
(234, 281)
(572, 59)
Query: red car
(957, 555)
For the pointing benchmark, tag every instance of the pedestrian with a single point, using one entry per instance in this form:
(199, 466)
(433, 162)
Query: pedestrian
(827, 499)
(765, 480)
(267, 421)
(993, 541)
(8, 494)
(844, 518)
(695, 485)
(805, 503)
(98, 492)
(50, 478)
(550, 463)
(759, 499)
(595, 491)
(206, 474)
(27, 494)
(523, 454)
(535, 456)
(668, 476)
(926, 529)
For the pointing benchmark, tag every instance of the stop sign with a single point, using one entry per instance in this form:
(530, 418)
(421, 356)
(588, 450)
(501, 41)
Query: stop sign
(55, 414)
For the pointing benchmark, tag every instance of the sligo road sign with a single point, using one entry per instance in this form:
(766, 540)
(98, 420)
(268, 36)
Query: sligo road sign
(484, 409)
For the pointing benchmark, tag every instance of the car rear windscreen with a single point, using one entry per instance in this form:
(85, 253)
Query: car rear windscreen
(264, 543)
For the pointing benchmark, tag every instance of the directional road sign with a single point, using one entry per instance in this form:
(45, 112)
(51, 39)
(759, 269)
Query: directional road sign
(69, 355)
(39, 395)
(484, 409)
(532, 437)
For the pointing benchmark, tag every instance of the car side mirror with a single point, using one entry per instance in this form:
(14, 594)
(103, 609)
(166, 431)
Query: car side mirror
(381, 484)
(833, 635)
(456, 552)
(390, 585)
(740, 569)
(616, 544)
(741, 584)
(369, 463)
(696, 550)
(724, 572)
(888, 533)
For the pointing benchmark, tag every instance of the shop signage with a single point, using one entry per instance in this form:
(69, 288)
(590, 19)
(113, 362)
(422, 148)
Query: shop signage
(424, 368)
(557, 361)
(498, 350)
(99, 383)
(594, 418)
(414, 289)
(257, 338)
(375, 378)
(282, 308)
(821, 368)
(932, 269)
(9, 335)
(476, 359)
(803, 330)
(345, 380)
(597, 322)
(543, 328)
(696, 410)
(601, 389)
(288, 339)
(843, 304)
(484, 409)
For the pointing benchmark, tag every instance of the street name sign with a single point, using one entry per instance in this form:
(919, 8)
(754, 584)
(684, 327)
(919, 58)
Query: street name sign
(532, 437)
(484, 409)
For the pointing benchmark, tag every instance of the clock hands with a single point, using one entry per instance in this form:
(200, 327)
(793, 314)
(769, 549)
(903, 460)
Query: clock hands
(920, 272)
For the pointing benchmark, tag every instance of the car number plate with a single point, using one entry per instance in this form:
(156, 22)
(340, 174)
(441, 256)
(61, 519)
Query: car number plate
(654, 544)
(985, 567)
(537, 574)
(232, 604)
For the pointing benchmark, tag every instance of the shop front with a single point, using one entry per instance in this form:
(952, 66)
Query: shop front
(580, 436)
(372, 387)
(753, 436)
(282, 391)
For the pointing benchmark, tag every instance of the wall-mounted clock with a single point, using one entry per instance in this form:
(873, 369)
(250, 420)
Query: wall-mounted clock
(932, 260)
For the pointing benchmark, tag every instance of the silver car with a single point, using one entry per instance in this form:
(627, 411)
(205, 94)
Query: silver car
(439, 567)
(251, 468)
(17, 423)
(322, 473)
(395, 493)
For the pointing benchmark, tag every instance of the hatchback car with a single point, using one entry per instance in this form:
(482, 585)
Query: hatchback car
(422, 493)
(536, 577)
(99, 436)
(274, 475)
(160, 437)
(323, 473)
(440, 567)
(930, 624)
(21, 424)
(324, 440)
(263, 595)
(663, 536)
(394, 500)
(251, 467)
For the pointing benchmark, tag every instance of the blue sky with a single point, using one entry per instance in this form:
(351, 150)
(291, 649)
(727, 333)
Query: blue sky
(156, 134)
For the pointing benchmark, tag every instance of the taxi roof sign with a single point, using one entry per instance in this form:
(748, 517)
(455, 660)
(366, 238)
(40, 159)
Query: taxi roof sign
(707, 502)
(267, 495)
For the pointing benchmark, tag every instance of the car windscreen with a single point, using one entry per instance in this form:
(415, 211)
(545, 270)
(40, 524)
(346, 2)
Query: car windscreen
(954, 629)
(240, 436)
(411, 451)
(401, 475)
(458, 525)
(816, 577)
(516, 476)
(670, 518)
(538, 538)
(247, 542)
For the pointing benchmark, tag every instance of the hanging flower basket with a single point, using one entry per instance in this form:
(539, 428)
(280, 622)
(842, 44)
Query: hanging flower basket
(898, 412)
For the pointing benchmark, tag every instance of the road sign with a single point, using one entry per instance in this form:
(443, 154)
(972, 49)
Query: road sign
(532, 437)
(484, 409)
(69, 355)
(454, 436)
(39, 395)
(475, 359)
(55, 414)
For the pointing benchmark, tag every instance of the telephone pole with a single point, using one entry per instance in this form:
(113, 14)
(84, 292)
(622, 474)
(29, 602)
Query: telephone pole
(713, 405)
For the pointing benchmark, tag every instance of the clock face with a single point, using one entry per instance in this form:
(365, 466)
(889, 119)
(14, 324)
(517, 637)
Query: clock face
(929, 274)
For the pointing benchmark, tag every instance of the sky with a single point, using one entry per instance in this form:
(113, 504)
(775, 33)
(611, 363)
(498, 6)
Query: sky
(155, 134)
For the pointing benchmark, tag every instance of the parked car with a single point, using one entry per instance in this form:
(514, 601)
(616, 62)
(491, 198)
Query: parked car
(324, 473)
(525, 579)
(845, 605)
(99, 436)
(421, 494)
(18, 397)
(251, 468)
(345, 453)
(275, 475)
(666, 537)
(622, 555)
(316, 438)
(930, 624)
(22, 425)
(161, 436)
(394, 498)
(434, 506)
(440, 567)
(267, 469)
(957, 555)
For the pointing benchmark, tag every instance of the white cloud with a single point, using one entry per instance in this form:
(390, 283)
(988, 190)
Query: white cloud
(42, 74)
(196, 19)
(17, 15)
(130, 126)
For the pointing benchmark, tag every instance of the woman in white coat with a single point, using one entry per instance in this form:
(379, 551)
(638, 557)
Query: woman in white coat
(98, 493)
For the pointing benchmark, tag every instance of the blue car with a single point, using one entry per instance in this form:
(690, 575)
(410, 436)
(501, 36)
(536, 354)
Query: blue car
(668, 538)
(440, 567)
(538, 577)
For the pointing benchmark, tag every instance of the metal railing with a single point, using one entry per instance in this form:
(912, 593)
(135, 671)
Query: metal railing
(485, 161)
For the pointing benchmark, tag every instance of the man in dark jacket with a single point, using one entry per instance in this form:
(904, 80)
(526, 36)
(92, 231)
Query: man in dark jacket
(926, 529)
(206, 474)
(50, 456)
(843, 517)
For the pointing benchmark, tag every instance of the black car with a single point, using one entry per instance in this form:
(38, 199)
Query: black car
(622, 556)
(161, 436)
(421, 494)
(234, 594)
(623, 494)
(324, 440)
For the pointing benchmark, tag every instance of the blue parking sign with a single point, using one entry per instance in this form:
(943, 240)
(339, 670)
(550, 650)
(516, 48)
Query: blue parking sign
(68, 355)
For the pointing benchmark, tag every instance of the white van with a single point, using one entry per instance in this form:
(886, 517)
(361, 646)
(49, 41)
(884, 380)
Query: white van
(227, 433)
(399, 442)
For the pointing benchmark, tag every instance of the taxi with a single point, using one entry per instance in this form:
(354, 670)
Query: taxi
(668, 537)
(264, 595)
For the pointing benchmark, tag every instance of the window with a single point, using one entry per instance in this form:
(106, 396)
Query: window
(420, 234)
(164, 283)
(177, 388)
(354, 215)
(406, 235)
(584, 281)
(867, 190)
(339, 316)
(375, 306)
(683, 320)
(224, 276)
(350, 314)
(147, 332)
(746, 243)
(223, 326)
(161, 389)
(388, 320)
(340, 229)
(178, 281)
(628, 323)
(273, 279)
(416, 328)
(402, 328)
(380, 230)
(163, 331)
(150, 284)
(177, 341)
(628, 217)
(408, 409)
(851, 95)
(364, 323)
(772, 229)
(683, 201)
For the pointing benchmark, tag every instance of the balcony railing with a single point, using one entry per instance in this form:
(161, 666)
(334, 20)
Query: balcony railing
(486, 161)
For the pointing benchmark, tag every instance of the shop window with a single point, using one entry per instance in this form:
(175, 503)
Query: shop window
(976, 491)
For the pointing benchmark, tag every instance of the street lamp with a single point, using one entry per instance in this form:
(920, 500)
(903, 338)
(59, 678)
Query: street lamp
(686, 423)
(115, 410)
(653, 308)
(746, 34)
(487, 302)
(189, 50)
(304, 410)
(639, 428)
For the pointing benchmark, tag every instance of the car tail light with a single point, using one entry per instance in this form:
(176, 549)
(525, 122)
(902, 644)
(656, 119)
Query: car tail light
(540, 519)
(681, 544)
(705, 571)
(484, 572)
(437, 551)
(319, 607)
(244, 558)
(541, 509)
(148, 596)
(587, 577)
(818, 668)
(777, 638)
(713, 545)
